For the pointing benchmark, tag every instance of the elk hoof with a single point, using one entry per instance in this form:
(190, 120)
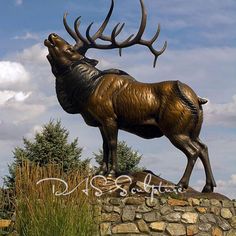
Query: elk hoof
(208, 189)
(101, 172)
(111, 174)
(182, 185)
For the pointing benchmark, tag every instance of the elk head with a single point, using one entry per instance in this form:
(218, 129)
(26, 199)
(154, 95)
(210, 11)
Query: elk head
(62, 53)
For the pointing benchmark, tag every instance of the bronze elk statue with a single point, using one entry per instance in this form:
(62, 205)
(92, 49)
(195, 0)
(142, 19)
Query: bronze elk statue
(113, 100)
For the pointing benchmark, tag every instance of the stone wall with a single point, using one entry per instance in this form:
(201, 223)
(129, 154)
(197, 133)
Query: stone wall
(166, 216)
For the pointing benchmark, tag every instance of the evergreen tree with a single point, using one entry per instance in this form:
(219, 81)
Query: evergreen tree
(127, 158)
(50, 146)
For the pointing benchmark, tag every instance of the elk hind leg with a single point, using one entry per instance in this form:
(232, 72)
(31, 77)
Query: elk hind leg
(210, 181)
(186, 145)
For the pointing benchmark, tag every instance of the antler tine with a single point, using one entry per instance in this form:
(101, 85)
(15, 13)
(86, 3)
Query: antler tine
(79, 35)
(140, 32)
(149, 45)
(105, 22)
(108, 38)
(68, 29)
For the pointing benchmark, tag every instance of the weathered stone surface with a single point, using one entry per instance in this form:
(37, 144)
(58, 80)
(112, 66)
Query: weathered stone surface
(128, 213)
(223, 224)
(176, 229)
(143, 226)
(215, 202)
(208, 218)
(138, 216)
(201, 210)
(216, 231)
(204, 227)
(203, 234)
(107, 208)
(189, 218)
(192, 230)
(227, 203)
(143, 208)
(117, 209)
(194, 201)
(133, 200)
(163, 200)
(179, 208)
(105, 229)
(232, 232)
(152, 202)
(166, 210)
(151, 216)
(226, 213)
(176, 202)
(158, 226)
(205, 202)
(115, 201)
(172, 217)
(110, 217)
(233, 221)
(215, 210)
(125, 228)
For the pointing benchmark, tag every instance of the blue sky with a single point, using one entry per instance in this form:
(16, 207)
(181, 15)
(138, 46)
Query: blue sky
(201, 52)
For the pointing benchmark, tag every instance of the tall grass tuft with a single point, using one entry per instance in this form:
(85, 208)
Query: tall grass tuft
(40, 213)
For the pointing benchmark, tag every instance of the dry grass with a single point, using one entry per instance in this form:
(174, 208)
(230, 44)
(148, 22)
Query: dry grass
(40, 213)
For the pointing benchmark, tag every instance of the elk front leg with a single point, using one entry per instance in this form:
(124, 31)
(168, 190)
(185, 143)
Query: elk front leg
(110, 133)
(105, 162)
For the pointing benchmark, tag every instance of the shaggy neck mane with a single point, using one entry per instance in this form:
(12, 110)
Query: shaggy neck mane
(75, 84)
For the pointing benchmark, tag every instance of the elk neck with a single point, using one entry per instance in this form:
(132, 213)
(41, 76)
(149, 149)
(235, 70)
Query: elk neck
(75, 85)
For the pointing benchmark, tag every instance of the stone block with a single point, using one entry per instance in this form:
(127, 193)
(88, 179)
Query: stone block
(172, 217)
(158, 226)
(216, 231)
(189, 218)
(177, 202)
(125, 228)
(151, 216)
(143, 226)
(105, 229)
(226, 213)
(174, 229)
(128, 213)
(192, 230)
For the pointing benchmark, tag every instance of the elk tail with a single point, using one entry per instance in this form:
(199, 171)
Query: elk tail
(196, 115)
(202, 101)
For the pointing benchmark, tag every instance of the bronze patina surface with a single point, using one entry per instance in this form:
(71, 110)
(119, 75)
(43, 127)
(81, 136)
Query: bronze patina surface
(113, 100)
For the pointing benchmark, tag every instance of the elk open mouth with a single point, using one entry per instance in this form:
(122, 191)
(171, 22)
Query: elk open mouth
(49, 41)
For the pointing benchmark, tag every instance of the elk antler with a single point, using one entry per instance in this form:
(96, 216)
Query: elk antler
(83, 44)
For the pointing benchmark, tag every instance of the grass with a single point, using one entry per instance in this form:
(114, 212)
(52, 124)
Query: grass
(40, 213)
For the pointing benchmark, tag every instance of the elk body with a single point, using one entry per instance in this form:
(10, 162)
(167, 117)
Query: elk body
(113, 100)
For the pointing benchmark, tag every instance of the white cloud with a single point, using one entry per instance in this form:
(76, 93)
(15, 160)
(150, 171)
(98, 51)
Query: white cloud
(222, 114)
(7, 95)
(35, 54)
(12, 72)
(27, 36)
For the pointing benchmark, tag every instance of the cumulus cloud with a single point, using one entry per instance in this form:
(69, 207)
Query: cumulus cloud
(27, 36)
(7, 95)
(35, 54)
(12, 72)
(221, 114)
